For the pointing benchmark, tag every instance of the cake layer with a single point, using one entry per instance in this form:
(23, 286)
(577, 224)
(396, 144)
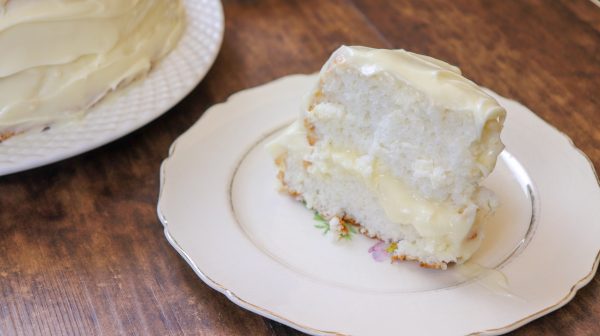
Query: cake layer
(385, 110)
(345, 184)
(61, 56)
(443, 83)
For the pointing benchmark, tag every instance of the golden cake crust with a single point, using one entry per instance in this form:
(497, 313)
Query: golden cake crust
(7, 135)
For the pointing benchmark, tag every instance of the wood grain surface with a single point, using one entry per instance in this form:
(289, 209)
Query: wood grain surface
(83, 253)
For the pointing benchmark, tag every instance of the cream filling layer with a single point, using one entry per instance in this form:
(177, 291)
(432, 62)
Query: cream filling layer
(431, 219)
(292, 139)
(60, 56)
(444, 222)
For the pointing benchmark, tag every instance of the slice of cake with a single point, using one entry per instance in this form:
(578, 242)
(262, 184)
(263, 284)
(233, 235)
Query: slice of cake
(395, 144)
(59, 57)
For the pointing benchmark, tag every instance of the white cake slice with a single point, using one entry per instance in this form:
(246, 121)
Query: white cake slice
(396, 144)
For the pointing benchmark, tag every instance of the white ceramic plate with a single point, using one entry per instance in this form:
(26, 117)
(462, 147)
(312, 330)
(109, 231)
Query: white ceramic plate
(143, 101)
(223, 215)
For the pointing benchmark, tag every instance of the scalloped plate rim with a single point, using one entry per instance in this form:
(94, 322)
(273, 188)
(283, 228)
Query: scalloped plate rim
(232, 296)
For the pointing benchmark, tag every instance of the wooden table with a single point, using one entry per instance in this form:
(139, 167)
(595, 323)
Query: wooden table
(81, 248)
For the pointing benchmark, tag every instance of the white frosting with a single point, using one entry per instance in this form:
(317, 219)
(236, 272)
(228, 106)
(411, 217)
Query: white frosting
(442, 82)
(292, 139)
(61, 56)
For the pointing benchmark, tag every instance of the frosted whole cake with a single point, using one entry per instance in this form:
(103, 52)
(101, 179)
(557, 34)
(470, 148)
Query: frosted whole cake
(60, 57)
(395, 145)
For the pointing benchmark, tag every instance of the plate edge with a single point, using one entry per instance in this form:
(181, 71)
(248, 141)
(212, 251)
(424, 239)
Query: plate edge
(232, 296)
(266, 313)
